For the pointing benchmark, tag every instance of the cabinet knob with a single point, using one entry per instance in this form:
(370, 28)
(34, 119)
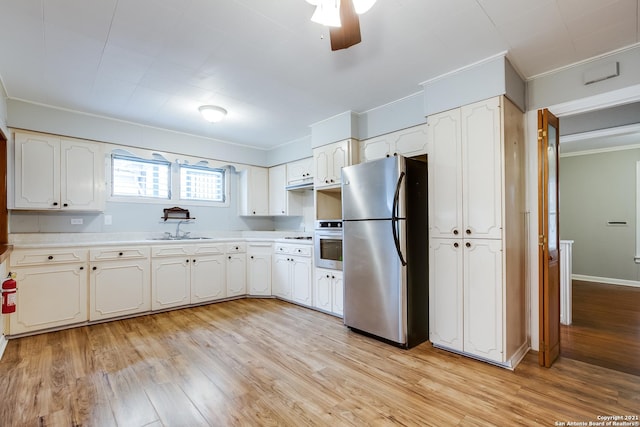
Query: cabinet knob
(254, 212)
(50, 257)
(187, 260)
(229, 257)
(65, 205)
(468, 244)
(455, 232)
(120, 254)
(194, 261)
(455, 245)
(282, 211)
(468, 231)
(81, 268)
(94, 268)
(395, 154)
(326, 181)
(237, 248)
(251, 256)
(332, 181)
(327, 276)
(55, 203)
(388, 155)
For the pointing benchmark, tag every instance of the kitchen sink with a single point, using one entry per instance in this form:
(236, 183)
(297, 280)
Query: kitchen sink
(181, 238)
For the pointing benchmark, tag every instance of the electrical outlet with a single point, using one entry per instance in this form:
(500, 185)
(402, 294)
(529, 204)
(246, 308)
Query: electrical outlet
(76, 221)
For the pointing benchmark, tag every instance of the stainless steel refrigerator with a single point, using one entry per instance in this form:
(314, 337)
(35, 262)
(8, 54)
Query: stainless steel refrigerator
(385, 249)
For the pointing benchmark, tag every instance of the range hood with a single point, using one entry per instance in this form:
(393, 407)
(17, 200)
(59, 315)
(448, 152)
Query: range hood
(300, 185)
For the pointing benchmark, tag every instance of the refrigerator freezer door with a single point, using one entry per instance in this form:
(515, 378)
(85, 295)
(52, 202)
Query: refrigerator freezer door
(368, 189)
(374, 279)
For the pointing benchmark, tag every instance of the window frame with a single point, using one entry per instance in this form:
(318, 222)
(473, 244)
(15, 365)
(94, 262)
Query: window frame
(131, 197)
(225, 186)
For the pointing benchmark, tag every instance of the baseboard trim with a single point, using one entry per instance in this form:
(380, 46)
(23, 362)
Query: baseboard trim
(606, 280)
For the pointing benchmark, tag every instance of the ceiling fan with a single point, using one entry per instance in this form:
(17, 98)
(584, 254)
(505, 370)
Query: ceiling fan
(341, 16)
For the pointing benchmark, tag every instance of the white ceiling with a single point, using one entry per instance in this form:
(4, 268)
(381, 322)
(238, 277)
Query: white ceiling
(155, 61)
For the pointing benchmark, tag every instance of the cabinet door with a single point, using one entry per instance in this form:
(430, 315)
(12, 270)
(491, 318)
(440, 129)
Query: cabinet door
(482, 166)
(377, 148)
(49, 297)
(322, 295)
(280, 283)
(445, 293)
(445, 175)
(483, 305)
(277, 191)
(236, 275)
(259, 274)
(322, 162)
(259, 191)
(119, 288)
(82, 183)
(412, 141)
(299, 170)
(301, 280)
(37, 171)
(170, 282)
(337, 294)
(339, 155)
(208, 279)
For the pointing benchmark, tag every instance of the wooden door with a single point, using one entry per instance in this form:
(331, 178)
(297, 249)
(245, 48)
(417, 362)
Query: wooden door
(548, 235)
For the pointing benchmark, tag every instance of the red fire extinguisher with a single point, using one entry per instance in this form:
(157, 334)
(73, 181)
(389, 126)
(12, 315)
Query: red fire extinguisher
(9, 289)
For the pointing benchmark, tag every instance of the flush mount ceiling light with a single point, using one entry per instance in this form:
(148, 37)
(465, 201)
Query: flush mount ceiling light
(212, 113)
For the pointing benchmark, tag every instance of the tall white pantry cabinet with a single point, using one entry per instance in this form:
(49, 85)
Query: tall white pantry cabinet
(477, 231)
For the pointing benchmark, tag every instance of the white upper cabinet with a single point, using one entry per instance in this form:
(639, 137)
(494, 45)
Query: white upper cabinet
(277, 190)
(406, 142)
(300, 171)
(281, 201)
(254, 191)
(58, 173)
(329, 161)
(465, 166)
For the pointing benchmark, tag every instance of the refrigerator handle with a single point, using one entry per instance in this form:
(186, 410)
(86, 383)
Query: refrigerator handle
(394, 219)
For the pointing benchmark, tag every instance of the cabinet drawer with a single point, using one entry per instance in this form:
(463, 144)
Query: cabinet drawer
(47, 256)
(170, 250)
(209, 249)
(235, 248)
(300, 250)
(127, 252)
(260, 248)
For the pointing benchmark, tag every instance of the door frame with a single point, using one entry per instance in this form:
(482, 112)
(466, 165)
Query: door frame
(605, 100)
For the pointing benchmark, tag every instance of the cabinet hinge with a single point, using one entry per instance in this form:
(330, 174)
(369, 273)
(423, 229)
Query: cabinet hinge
(541, 134)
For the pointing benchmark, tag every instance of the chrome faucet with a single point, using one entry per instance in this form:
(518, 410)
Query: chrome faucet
(184, 233)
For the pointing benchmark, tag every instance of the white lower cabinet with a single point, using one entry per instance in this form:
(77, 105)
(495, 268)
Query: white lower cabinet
(52, 289)
(292, 273)
(466, 301)
(236, 269)
(187, 274)
(259, 268)
(328, 291)
(119, 283)
(208, 278)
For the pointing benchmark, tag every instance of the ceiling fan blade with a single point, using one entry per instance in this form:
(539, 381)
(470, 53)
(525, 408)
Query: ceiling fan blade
(349, 33)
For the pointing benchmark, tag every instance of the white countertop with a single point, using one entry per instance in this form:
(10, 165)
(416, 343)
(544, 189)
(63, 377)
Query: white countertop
(44, 240)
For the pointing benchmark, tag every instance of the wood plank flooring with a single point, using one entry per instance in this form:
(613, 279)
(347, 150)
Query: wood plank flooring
(605, 330)
(266, 362)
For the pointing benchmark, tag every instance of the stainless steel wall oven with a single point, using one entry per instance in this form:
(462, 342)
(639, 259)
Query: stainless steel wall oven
(328, 244)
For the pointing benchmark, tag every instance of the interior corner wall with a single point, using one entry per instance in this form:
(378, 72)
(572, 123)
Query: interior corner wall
(567, 84)
(595, 190)
(35, 117)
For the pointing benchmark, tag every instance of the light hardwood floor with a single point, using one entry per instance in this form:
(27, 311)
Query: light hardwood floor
(267, 362)
(605, 329)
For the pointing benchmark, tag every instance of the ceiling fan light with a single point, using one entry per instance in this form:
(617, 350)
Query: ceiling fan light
(327, 13)
(362, 6)
(212, 113)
